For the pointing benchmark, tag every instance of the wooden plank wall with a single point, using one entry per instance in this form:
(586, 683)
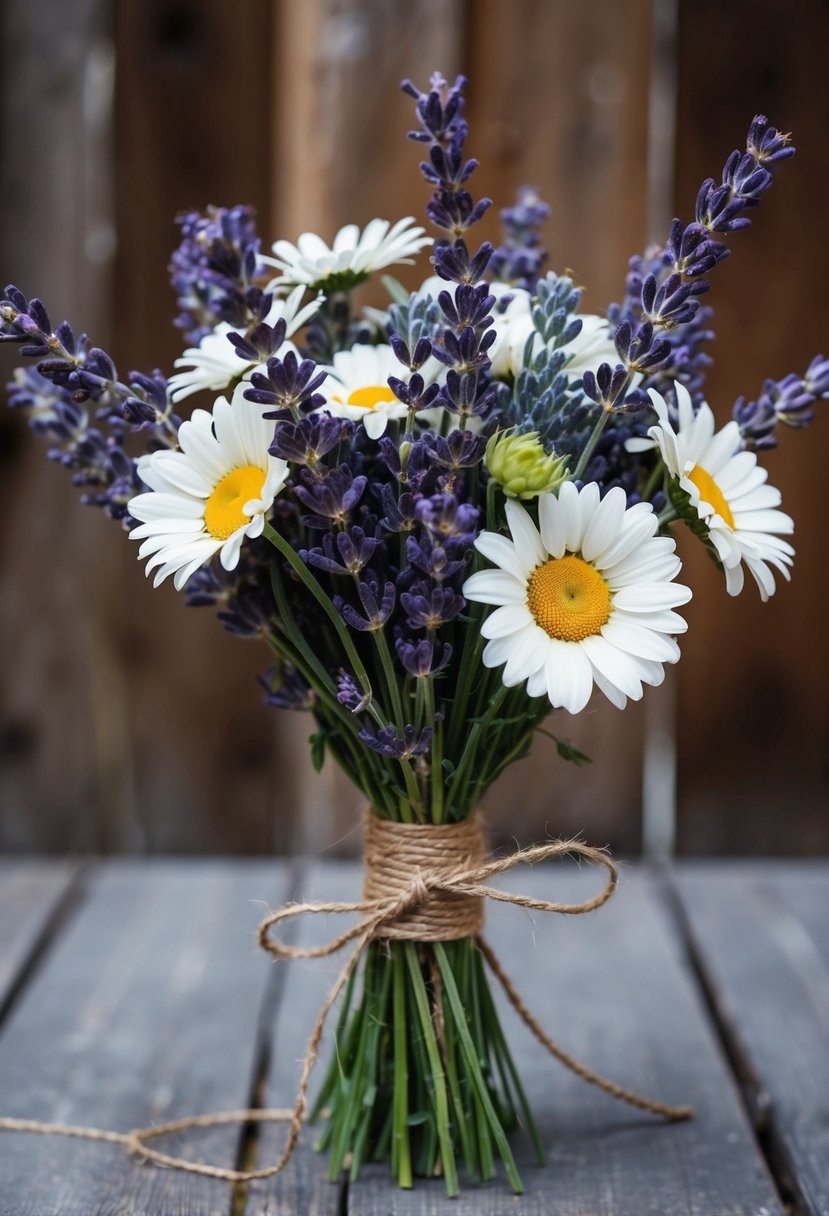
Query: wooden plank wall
(146, 716)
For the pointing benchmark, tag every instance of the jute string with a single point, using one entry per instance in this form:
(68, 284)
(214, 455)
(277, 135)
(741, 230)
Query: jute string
(422, 883)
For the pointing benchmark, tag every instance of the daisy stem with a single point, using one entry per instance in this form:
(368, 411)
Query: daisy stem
(458, 781)
(438, 1075)
(595, 435)
(653, 481)
(491, 499)
(305, 576)
(667, 516)
(401, 1151)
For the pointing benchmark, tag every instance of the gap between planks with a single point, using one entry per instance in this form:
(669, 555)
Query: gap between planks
(750, 1087)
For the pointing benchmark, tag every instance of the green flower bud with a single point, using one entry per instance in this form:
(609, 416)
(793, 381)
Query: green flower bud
(521, 466)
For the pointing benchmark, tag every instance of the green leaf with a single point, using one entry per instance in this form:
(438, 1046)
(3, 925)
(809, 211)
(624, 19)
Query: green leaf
(317, 741)
(568, 752)
(395, 288)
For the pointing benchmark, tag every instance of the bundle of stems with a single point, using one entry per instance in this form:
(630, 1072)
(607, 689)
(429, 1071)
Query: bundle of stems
(422, 1074)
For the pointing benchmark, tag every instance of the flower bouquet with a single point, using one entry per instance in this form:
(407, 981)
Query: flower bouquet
(444, 519)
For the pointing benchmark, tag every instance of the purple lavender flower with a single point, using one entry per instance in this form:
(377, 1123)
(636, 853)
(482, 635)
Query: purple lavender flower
(388, 743)
(330, 496)
(459, 450)
(518, 260)
(350, 694)
(310, 439)
(443, 127)
(429, 608)
(448, 519)
(377, 610)
(290, 384)
(213, 270)
(423, 657)
(789, 401)
(286, 689)
(664, 289)
(432, 559)
(347, 553)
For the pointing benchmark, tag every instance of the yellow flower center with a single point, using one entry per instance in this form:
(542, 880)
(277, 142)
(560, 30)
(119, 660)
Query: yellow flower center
(223, 512)
(568, 598)
(370, 396)
(711, 493)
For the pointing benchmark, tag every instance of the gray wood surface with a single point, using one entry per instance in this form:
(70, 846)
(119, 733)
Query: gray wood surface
(761, 937)
(303, 1186)
(147, 1010)
(32, 894)
(152, 1001)
(614, 989)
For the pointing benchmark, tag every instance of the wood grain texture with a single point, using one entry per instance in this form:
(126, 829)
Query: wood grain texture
(761, 937)
(56, 240)
(147, 1011)
(303, 1186)
(753, 676)
(207, 770)
(614, 989)
(31, 894)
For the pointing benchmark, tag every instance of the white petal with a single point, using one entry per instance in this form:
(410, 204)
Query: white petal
(569, 676)
(508, 619)
(494, 587)
(525, 535)
(502, 552)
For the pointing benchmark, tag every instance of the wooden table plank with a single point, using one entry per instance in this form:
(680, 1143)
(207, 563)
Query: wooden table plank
(760, 931)
(615, 990)
(30, 894)
(303, 1186)
(148, 1011)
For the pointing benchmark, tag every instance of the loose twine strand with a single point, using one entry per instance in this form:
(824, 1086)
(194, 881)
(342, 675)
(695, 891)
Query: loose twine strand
(423, 882)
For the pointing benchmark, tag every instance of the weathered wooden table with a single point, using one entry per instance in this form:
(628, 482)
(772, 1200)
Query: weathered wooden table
(133, 993)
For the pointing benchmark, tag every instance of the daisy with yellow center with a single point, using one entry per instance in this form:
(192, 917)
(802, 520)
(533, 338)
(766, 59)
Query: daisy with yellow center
(727, 489)
(357, 386)
(211, 495)
(585, 599)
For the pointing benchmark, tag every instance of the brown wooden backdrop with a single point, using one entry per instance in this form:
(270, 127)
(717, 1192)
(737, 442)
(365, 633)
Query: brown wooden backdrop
(127, 722)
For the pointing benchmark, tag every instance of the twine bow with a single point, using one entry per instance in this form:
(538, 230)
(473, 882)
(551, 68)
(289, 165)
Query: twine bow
(441, 899)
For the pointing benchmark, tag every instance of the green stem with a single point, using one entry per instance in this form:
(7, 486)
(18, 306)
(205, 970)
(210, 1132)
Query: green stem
(305, 576)
(447, 1152)
(595, 435)
(474, 1068)
(657, 474)
(401, 1149)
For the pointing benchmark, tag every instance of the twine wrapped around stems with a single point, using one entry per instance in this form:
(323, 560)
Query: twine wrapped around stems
(423, 882)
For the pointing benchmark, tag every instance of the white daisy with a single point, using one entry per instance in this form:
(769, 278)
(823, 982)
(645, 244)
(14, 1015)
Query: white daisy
(587, 601)
(728, 491)
(215, 363)
(353, 256)
(357, 386)
(211, 495)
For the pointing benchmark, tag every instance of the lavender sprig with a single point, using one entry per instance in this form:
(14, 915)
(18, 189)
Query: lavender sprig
(518, 260)
(661, 325)
(789, 401)
(69, 373)
(444, 128)
(214, 271)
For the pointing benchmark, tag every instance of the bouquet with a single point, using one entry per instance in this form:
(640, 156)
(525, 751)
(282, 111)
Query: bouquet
(443, 519)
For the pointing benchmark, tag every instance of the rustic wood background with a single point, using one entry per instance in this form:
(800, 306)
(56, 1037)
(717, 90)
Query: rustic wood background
(128, 723)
